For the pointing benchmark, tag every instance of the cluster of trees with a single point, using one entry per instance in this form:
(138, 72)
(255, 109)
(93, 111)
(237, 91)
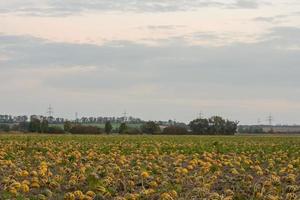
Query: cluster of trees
(42, 126)
(175, 130)
(21, 127)
(202, 126)
(213, 126)
(125, 129)
(34, 126)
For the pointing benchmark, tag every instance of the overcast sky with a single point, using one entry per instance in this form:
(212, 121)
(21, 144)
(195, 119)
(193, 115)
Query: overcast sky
(156, 59)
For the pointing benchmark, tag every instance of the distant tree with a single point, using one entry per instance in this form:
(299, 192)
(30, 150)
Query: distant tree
(150, 128)
(200, 126)
(44, 126)
(216, 125)
(4, 127)
(15, 127)
(231, 127)
(55, 130)
(123, 128)
(67, 126)
(81, 129)
(23, 126)
(175, 130)
(213, 126)
(271, 130)
(34, 125)
(133, 131)
(108, 127)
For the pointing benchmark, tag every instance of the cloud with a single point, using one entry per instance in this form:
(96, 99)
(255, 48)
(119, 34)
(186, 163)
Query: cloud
(273, 19)
(4, 57)
(238, 63)
(284, 37)
(246, 4)
(164, 27)
(265, 19)
(175, 77)
(67, 7)
(286, 33)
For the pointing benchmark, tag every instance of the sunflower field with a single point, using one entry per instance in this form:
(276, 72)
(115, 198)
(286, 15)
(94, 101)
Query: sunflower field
(69, 167)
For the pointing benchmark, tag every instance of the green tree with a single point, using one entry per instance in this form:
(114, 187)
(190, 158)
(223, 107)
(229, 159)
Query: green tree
(175, 130)
(231, 127)
(83, 129)
(4, 127)
(150, 128)
(216, 125)
(44, 126)
(67, 126)
(200, 126)
(23, 126)
(213, 126)
(123, 128)
(108, 127)
(55, 130)
(34, 125)
(133, 131)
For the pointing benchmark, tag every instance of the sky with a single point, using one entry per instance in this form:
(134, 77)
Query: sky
(158, 59)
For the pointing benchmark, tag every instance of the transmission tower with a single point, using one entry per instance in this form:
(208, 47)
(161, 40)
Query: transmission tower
(125, 116)
(270, 119)
(50, 111)
(76, 116)
(200, 115)
(258, 121)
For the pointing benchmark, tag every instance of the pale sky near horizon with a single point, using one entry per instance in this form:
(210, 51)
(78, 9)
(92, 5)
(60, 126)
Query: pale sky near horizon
(159, 59)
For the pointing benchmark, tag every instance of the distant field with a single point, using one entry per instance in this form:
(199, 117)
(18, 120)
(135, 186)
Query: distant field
(149, 167)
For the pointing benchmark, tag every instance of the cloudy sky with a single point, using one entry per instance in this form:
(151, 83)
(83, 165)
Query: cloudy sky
(157, 59)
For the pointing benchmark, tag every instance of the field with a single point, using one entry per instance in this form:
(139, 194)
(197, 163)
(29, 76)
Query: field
(149, 167)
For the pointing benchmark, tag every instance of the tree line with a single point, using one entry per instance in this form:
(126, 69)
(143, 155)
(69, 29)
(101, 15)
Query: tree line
(202, 126)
